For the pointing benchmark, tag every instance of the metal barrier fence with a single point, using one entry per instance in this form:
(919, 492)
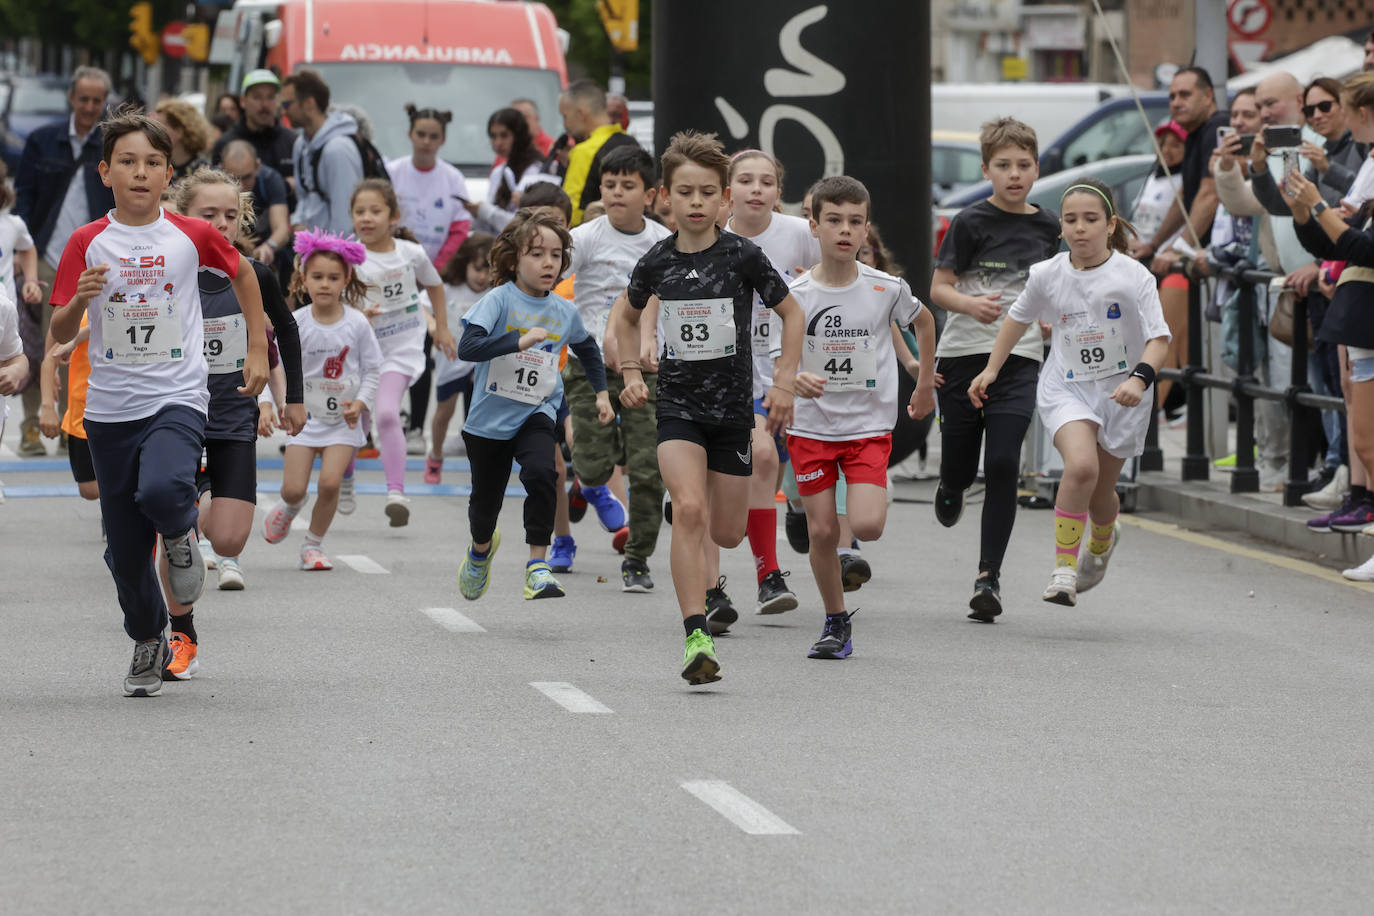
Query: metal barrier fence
(1245, 388)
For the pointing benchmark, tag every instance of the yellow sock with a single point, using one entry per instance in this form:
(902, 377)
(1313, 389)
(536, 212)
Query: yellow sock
(1101, 539)
(1068, 535)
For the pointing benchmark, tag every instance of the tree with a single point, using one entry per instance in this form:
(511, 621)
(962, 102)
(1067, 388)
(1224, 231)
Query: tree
(589, 50)
(97, 25)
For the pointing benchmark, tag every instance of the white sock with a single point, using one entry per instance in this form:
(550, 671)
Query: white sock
(313, 540)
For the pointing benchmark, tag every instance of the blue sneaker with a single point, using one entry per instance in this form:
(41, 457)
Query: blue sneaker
(836, 638)
(562, 553)
(475, 573)
(610, 511)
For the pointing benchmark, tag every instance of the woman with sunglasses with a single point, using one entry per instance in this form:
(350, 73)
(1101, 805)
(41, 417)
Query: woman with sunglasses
(1338, 159)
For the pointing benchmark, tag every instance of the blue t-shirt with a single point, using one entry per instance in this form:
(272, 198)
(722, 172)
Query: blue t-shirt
(504, 309)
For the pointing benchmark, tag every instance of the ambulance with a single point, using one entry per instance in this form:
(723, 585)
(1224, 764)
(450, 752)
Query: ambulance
(470, 57)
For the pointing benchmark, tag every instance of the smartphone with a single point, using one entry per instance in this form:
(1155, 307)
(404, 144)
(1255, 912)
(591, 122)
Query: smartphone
(1246, 141)
(1222, 133)
(1282, 137)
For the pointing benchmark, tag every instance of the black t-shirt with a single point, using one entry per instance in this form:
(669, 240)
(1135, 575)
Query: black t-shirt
(717, 391)
(1197, 154)
(999, 246)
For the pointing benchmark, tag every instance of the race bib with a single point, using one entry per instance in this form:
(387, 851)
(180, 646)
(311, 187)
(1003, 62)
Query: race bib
(325, 397)
(699, 329)
(527, 376)
(759, 332)
(846, 364)
(396, 294)
(226, 344)
(1094, 352)
(138, 332)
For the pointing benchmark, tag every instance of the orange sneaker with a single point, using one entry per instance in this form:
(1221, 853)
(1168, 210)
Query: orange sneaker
(619, 538)
(183, 664)
(369, 451)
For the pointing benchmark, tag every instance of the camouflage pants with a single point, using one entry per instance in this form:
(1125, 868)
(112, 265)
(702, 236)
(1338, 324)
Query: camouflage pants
(633, 442)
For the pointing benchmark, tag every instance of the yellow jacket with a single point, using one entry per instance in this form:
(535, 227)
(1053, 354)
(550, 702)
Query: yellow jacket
(580, 164)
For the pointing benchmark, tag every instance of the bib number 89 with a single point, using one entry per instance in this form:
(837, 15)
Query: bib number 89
(214, 347)
(690, 332)
(1090, 356)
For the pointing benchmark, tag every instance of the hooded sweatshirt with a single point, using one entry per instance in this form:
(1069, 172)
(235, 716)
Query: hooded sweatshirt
(341, 168)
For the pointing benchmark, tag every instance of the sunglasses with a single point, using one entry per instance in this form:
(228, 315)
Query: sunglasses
(1323, 107)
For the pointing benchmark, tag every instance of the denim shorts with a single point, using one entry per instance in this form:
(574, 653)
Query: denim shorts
(1361, 364)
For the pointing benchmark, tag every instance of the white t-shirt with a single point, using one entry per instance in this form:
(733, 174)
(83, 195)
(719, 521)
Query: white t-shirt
(14, 236)
(792, 250)
(849, 342)
(341, 358)
(396, 282)
(10, 344)
(602, 258)
(1363, 187)
(494, 218)
(1101, 318)
(457, 300)
(147, 334)
(431, 201)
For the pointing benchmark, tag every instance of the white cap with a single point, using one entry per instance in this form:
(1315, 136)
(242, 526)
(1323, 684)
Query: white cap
(258, 78)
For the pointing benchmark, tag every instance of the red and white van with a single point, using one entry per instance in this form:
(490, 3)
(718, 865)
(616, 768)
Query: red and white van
(470, 57)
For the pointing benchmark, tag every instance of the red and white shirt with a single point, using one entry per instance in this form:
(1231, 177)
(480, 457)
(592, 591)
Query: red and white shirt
(146, 326)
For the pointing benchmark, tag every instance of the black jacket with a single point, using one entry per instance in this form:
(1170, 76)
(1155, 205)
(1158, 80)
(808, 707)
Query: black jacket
(1350, 319)
(45, 172)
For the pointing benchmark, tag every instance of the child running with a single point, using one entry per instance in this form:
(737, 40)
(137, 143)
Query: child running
(395, 270)
(342, 364)
(466, 276)
(133, 272)
(1105, 312)
(850, 311)
(514, 333)
(705, 282)
(981, 267)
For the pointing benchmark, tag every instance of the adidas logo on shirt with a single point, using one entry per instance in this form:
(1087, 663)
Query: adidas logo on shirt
(693, 275)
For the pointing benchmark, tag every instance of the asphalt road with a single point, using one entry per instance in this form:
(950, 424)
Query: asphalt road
(1193, 737)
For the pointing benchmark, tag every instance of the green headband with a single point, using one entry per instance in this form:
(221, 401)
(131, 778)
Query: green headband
(1087, 187)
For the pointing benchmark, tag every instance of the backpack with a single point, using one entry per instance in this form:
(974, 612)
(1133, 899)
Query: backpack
(374, 166)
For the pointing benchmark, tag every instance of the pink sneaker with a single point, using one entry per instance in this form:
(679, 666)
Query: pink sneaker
(434, 467)
(313, 558)
(277, 525)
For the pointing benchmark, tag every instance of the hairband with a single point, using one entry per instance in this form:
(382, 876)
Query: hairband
(309, 244)
(1111, 211)
(749, 152)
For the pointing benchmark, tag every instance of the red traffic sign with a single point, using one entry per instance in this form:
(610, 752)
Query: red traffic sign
(174, 39)
(1249, 18)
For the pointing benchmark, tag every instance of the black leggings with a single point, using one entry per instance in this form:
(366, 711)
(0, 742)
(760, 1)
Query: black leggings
(419, 392)
(1000, 436)
(490, 460)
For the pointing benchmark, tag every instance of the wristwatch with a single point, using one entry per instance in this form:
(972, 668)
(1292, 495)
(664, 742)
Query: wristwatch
(1319, 207)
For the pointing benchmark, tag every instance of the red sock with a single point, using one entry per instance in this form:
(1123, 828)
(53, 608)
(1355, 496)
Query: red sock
(763, 540)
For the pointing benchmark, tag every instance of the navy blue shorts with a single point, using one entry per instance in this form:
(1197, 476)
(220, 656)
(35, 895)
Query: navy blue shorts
(779, 440)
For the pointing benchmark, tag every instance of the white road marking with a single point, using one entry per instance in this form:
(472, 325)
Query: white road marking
(738, 808)
(452, 620)
(364, 564)
(569, 697)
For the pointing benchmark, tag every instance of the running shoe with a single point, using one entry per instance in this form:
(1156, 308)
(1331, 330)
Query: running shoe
(1329, 496)
(475, 574)
(277, 525)
(1362, 573)
(949, 505)
(347, 500)
(1323, 522)
(986, 603)
(230, 575)
(577, 503)
(145, 671)
(397, 509)
(619, 539)
(1093, 566)
(185, 567)
(31, 444)
(610, 511)
(794, 523)
(207, 553)
(182, 663)
(1063, 587)
(1359, 517)
(369, 451)
(634, 576)
(836, 638)
(774, 595)
(415, 442)
(540, 583)
(720, 613)
(314, 560)
(854, 570)
(699, 664)
(562, 553)
(434, 469)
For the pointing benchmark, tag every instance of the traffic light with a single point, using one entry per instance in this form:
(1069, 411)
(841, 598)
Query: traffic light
(197, 35)
(620, 19)
(142, 38)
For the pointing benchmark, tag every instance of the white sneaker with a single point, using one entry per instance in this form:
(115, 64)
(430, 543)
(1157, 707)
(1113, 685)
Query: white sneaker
(455, 447)
(1362, 573)
(347, 501)
(1330, 496)
(397, 509)
(230, 575)
(1063, 587)
(314, 560)
(415, 442)
(208, 553)
(1092, 567)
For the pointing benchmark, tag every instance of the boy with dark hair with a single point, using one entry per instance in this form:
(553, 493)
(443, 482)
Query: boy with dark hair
(980, 270)
(147, 397)
(705, 282)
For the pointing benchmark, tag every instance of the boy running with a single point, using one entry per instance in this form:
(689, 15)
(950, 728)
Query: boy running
(705, 283)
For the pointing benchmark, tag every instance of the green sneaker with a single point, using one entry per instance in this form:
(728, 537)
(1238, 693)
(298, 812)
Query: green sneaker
(540, 583)
(474, 575)
(699, 665)
(1230, 460)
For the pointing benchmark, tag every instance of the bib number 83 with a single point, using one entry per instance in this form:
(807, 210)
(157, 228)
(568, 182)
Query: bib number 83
(691, 332)
(1090, 356)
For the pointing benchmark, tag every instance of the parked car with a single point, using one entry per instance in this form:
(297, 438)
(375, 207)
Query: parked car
(1113, 129)
(1050, 108)
(956, 162)
(27, 102)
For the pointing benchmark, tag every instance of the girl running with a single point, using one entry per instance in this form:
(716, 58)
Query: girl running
(466, 277)
(394, 271)
(342, 364)
(1104, 311)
